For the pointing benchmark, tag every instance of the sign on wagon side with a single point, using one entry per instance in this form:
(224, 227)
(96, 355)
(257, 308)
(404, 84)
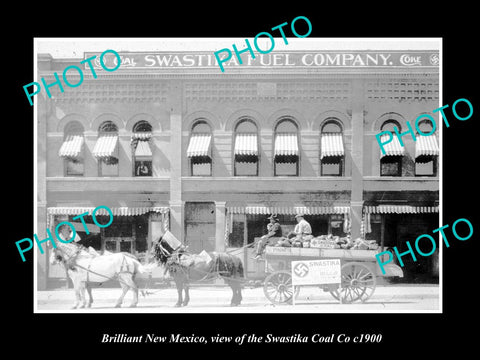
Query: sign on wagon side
(316, 272)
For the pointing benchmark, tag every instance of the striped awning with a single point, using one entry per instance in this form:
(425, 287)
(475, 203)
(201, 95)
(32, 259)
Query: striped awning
(332, 145)
(199, 145)
(105, 146)
(426, 146)
(246, 144)
(393, 148)
(400, 209)
(117, 211)
(288, 210)
(72, 146)
(141, 136)
(286, 144)
(143, 149)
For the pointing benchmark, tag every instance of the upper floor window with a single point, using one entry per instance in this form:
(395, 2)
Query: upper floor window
(106, 149)
(391, 160)
(426, 150)
(332, 152)
(246, 149)
(72, 149)
(286, 153)
(199, 149)
(141, 149)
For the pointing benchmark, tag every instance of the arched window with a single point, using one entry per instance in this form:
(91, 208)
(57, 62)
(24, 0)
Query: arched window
(426, 150)
(106, 149)
(246, 149)
(72, 149)
(391, 159)
(286, 154)
(141, 149)
(199, 149)
(332, 152)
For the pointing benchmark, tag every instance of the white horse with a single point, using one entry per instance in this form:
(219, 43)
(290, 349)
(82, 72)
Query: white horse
(85, 268)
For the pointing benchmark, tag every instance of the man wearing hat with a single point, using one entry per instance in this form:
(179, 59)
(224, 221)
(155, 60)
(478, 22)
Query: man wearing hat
(302, 228)
(274, 231)
(302, 231)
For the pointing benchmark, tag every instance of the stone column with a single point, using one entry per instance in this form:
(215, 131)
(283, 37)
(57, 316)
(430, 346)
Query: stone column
(176, 159)
(220, 218)
(44, 108)
(357, 157)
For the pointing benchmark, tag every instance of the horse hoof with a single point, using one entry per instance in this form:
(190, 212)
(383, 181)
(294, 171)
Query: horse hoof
(133, 305)
(178, 305)
(117, 305)
(74, 307)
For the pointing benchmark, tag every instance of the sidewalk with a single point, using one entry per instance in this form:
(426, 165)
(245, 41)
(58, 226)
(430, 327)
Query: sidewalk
(217, 299)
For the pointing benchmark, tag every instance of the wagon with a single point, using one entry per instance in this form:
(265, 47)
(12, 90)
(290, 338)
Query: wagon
(359, 272)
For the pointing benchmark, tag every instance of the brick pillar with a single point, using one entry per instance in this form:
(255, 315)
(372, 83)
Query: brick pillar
(357, 157)
(176, 160)
(220, 219)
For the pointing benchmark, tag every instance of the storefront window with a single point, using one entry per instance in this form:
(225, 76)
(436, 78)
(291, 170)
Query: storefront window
(391, 164)
(199, 149)
(286, 153)
(246, 149)
(332, 151)
(72, 149)
(141, 150)
(106, 149)
(426, 147)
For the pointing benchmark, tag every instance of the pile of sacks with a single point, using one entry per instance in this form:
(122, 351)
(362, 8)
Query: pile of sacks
(357, 244)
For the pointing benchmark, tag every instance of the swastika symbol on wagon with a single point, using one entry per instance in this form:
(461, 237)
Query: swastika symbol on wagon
(301, 270)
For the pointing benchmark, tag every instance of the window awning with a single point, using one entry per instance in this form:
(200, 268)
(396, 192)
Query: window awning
(332, 145)
(199, 145)
(400, 209)
(117, 211)
(105, 146)
(426, 146)
(141, 135)
(246, 144)
(288, 210)
(393, 148)
(286, 144)
(143, 149)
(72, 146)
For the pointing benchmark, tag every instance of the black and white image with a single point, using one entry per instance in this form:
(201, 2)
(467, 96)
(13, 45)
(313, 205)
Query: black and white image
(224, 186)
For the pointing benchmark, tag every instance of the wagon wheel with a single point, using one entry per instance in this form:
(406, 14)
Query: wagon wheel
(278, 287)
(358, 283)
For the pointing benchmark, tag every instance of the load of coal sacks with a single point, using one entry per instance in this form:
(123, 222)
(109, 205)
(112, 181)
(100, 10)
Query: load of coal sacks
(333, 242)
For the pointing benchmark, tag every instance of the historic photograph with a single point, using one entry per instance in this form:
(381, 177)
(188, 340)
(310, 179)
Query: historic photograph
(292, 178)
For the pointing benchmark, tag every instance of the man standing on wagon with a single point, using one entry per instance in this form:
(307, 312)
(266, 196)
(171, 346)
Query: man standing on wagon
(274, 231)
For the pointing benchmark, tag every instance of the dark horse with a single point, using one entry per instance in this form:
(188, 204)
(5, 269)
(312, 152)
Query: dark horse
(185, 268)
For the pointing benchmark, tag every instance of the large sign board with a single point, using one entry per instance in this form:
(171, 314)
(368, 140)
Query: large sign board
(277, 59)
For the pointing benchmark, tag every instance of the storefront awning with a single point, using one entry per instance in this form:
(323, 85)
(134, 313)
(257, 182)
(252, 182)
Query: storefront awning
(286, 144)
(393, 148)
(199, 145)
(105, 146)
(72, 146)
(141, 136)
(143, 149)
(332, 145)
(246, 145)
(426, 146)
(117, 211)
(288, 210)
(400, 209)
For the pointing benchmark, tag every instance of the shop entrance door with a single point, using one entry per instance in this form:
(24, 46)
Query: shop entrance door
(200, 226)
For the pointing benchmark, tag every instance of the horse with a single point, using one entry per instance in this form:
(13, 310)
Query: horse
(84, 269)
(185, 268)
